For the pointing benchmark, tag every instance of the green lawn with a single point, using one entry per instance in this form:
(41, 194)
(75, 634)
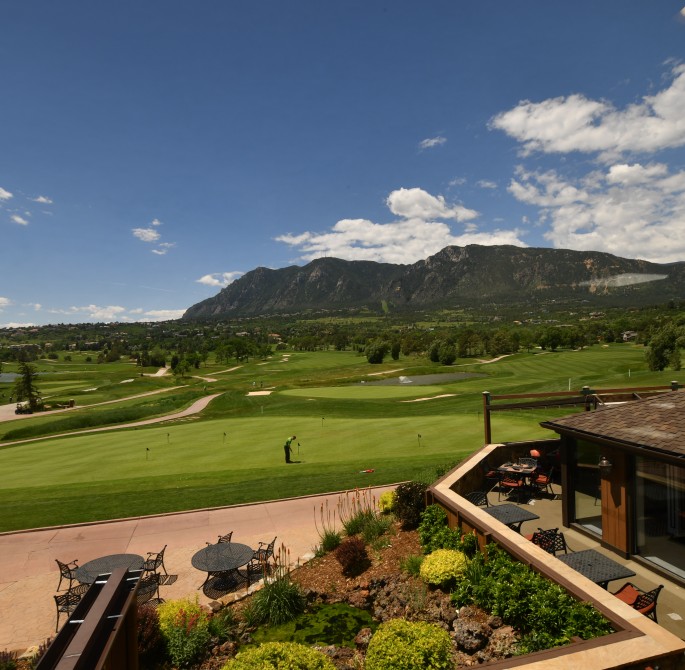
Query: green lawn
(343, 428)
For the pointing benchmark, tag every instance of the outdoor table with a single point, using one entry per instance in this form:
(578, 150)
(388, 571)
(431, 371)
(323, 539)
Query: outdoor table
(89, 572)
(511, 515)
(520, 472)
(221, 562)
(596, 566)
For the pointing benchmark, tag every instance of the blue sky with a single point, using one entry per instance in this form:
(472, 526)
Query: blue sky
(152, 151)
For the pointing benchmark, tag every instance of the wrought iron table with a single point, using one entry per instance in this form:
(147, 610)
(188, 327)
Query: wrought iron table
(511, 515)
(221, 562)
(89, 572)
(596, 566)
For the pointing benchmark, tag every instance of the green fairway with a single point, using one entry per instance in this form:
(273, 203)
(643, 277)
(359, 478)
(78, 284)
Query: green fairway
(233, 453)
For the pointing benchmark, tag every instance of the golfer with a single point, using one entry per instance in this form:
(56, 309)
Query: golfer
(287, 448)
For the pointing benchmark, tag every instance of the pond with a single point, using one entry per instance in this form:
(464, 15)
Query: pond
(337, 624)
(424, 380)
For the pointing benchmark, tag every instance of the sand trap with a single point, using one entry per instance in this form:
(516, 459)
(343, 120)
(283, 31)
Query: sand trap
(385, 372)
(433, 397)
(259, 393)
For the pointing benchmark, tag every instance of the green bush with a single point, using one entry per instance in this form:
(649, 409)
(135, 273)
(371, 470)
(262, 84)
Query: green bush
(352, 556)
(280, 656)
(185, 628)
(443, 567)
(278, 601)
(409, 645)
(544, 613)
(8, 660)
(434, 533)
(412, 564)
(410, 502)
(222, 624)
(375, 527)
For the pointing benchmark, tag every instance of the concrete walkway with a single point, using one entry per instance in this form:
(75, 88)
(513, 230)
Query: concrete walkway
(29, 575)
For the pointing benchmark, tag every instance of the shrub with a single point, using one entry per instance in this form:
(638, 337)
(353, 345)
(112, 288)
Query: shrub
(352, 556)
(545, 614)
(185, 628)
(375, 527)
(329, 537)
(280, 599)
(412, 564)
(221, 624)
(409, 504)
(443, 567)
(409, 645)
(434, 533)
(8, 660)
(150, 640)
(356, 509)
(386, 502)
(280, 656)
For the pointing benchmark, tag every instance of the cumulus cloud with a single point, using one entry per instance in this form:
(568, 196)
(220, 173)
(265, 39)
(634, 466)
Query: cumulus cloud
(163, 248)
(416, 235)
(431, 142)
(219, 279)
(4, 195)
(163, 314)
(43, 200)
(577, 123)
(4, 302)
(632, 210)
(486, 183)
(19, 220)
(146, 234)
(98, 313)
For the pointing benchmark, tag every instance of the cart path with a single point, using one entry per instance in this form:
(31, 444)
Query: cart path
(195, 408)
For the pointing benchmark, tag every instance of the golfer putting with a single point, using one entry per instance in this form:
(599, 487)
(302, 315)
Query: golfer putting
(288, 448)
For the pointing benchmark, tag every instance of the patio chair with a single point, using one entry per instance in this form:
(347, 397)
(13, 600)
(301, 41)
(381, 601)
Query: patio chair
(66, 571)
(509, 484)
(154, 561)
(542, 482)
(478, 498)
(491, 475)
(551, 540)
(259, 563)
(148, 590)
(66, 602)
(528, 462)
(223, 539)
(642, 601)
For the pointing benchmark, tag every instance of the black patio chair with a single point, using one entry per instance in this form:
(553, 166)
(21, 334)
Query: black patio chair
(642, 601)
(155, 561)
(148, 590)
(551, 540)
(66, 602)
(491, 475)
(511, 485)
(67, 571)
(478, 498)
(223, 539)
(542, 482)
(259, 564)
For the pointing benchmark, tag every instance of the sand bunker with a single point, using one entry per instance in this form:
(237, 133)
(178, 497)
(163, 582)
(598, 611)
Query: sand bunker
(433, 397)
(259, 393)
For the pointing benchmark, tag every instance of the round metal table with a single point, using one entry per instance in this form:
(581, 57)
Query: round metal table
(222, 557)
(88, 572)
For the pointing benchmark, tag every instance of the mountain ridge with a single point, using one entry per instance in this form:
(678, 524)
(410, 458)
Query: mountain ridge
(454, 276)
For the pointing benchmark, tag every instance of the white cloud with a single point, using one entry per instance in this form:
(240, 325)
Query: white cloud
(163, 248)
(417, 203)
(155, 222)
(15, 324)
(632, 210)
(19, 219)
(43, 200)
(4, 195)
(576, 123)
(4, 302)
(36, 306)
(413, 237)
(431, 142)
(146, 234)
(217, 279)
(164, 314)
(486, 183)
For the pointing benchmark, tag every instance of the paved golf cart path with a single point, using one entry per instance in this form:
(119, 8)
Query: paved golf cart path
(195, 408)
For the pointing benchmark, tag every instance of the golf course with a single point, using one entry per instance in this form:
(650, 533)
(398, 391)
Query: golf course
(100, 461)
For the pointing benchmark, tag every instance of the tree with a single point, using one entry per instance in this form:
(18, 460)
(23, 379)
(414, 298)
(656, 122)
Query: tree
(375, 351)
(664, 348)
(447, 353)
(25, 387)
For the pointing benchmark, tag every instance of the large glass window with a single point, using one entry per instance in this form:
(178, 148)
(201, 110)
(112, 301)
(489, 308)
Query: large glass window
(660, 514)
(585, 469)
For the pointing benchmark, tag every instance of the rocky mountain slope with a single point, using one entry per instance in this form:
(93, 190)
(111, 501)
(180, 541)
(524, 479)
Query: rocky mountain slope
(455, 276)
